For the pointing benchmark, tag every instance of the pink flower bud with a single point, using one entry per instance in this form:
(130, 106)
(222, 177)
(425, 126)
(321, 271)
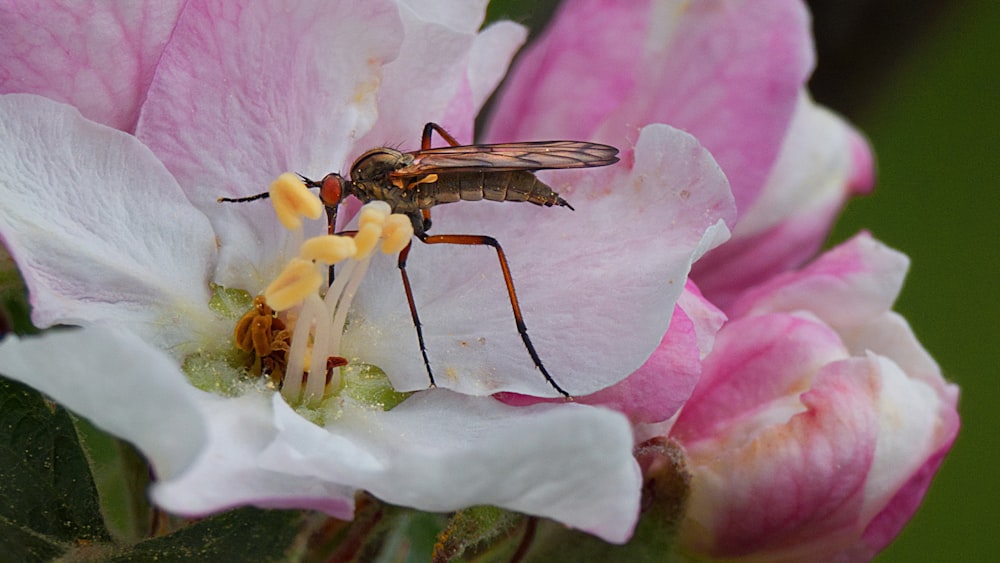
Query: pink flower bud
(819, 419)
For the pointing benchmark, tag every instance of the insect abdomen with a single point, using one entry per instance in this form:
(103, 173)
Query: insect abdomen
(516, 185)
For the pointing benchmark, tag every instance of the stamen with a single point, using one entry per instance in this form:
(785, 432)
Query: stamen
(292, 201)
(373, 212)
(316, 378)
(367, 239)
(397, 232)
(298, 353)
(298, 280)
(328, 249)
(313, 349)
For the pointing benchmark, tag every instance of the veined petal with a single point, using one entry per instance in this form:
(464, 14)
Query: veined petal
(789, 490)
(139, 395)
(246, 92)
(757, 361)
(821, 161)
(847, 286)
(99, 228)
(442, 451)
(727, 71)
(597, 300)
(99, 57)
(229, 471)
(445, 70)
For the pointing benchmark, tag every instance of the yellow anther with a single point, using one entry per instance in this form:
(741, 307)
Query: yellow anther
(396, 233)
(374, 212)
(328, 249)
(299, 279)
(292, 201)
(366, 239)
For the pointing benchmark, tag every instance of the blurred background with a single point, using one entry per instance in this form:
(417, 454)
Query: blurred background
(922, 79)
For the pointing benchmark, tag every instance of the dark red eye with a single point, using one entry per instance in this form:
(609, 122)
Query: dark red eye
(331, 189)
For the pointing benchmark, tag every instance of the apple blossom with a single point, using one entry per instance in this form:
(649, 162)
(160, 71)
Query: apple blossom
(819, 419)
(122, 235)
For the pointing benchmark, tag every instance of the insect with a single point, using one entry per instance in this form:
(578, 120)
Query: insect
(414, 182)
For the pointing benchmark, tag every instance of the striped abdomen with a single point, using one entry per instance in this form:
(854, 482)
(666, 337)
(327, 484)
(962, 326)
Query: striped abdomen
(514, 185)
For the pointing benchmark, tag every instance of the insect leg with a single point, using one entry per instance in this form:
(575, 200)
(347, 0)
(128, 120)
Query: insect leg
(403, 254)
(425, 140)
(518, 318)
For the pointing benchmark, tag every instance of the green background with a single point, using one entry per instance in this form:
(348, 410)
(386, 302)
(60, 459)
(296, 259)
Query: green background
(935, 125)
(922, 80)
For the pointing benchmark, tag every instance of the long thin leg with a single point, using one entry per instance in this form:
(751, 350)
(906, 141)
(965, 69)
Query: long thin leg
(403, 254)
(425, 139)
(518, 318)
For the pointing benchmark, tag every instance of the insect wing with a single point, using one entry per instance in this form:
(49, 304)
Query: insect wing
(535, 155)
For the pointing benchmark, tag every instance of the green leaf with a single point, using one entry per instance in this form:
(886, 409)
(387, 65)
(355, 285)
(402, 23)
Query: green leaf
(15, 311)
(246, 534)
(48, 501)
(122, 476)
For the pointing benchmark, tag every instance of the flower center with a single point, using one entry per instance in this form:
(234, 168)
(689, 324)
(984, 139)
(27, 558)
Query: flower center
(294, 329)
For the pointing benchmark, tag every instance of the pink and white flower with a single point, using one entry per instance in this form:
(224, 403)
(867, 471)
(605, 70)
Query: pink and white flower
(122, 235)
(819, 420)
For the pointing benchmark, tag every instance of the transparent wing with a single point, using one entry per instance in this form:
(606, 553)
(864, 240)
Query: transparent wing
(534, 155)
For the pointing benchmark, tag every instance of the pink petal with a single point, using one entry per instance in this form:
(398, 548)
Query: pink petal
(818, 168)
(708, 319)
(99, 57)
(656, 391)
(794, 487)
(100, 230)
(847, 286)
(728, 72)
(756, 366)
(245, 92)
(445, 70)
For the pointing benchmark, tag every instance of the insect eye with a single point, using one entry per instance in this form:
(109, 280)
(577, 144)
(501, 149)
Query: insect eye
(331, 190)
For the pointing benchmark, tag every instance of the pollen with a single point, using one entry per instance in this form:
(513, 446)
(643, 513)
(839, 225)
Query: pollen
(396, 233)
(374, 212)
(366, 239)
(292, 201)
(329, 249)
(298, 280)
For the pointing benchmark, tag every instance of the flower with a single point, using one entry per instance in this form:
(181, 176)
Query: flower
(122, 235)
(819, 419)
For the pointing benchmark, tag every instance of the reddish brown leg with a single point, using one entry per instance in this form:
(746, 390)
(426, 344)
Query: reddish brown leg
(413, 310)
(425, 140)
(518, 318)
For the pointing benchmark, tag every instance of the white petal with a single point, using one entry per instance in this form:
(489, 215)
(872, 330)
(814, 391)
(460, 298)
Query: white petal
(596, 286)
(441, 451)
(120, 383)
(99, 228)
(907, 436)
(228, 472)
